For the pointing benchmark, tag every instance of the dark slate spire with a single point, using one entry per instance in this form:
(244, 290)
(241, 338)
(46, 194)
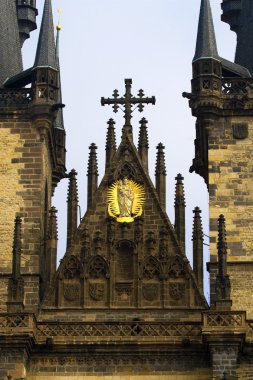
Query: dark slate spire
(52, 244)
(197, 242)
(143, 143)
(46, 53)
(223, 287)
(72, 207)
(17, 247)
(180, 211)
(60, 135)
(244, 50)
(160, 174)
(110, 146)
(92, 174)
(206, 42)
(10, 48)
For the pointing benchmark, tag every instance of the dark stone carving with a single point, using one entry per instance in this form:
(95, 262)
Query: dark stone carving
(240, 131)
(72, 268)
(98, 268)
(98, 242)
(177, 290)
(138, 233)
(163, 250)
(124, 289)
(176, 267)
(71, 292)
(150, 291)
(110, 230)
(97, 291)
(151, 242)
(126, 170)
(85, 243)
(151, 268)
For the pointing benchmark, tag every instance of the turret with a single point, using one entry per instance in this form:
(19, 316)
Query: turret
(27, 13)
(110, 147)
(180, 211)
(143, 143)
(72, 202)
(92, 174)
(160, 174)
(45, 72)
(197, 247)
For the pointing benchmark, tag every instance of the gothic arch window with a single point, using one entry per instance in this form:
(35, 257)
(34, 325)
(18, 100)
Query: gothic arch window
(98, 268)
(72, 268)
(151, 268)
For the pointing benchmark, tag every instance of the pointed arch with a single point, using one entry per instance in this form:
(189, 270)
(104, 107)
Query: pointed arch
(71, 268)
(151, 268)
(97, 267)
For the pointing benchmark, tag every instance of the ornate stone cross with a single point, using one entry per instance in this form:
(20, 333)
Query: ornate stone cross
(128, 100)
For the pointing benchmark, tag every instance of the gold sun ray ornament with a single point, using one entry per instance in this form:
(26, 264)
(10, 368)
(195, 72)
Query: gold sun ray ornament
(125, 200)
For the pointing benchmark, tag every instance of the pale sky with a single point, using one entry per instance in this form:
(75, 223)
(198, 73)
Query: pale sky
(103, 42)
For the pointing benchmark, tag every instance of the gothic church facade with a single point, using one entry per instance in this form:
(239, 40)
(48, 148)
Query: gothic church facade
(124, 303)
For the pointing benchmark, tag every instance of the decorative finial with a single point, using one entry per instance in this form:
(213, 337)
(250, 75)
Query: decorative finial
(58, 26)
(179, 195)
(160, 160)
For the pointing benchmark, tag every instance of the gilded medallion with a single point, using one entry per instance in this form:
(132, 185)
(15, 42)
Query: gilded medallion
(125, 200)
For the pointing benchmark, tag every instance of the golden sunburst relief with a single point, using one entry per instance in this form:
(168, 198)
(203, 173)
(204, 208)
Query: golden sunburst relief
(125, 199)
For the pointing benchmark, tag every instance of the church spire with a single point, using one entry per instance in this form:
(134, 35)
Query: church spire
(143, 143)
(46, 53)
(206, 46)
(10, 56)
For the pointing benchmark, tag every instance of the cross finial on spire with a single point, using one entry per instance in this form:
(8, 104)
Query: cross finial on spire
(128, 100)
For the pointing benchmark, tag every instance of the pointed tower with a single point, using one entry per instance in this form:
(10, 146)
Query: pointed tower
(59, 130)
(221, 100)
(10, 57)
(206, 46)
(30, 159)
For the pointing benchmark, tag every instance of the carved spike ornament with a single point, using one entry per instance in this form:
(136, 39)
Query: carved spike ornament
(125, 200)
